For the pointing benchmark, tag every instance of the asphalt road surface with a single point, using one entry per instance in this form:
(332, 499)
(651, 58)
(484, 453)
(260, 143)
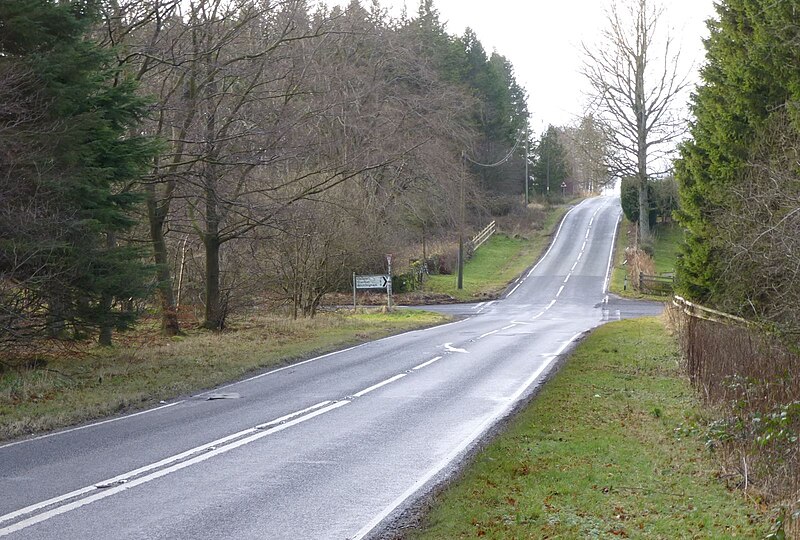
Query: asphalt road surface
(331, 448)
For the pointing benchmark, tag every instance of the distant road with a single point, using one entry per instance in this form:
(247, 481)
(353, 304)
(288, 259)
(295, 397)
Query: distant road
(330, 448)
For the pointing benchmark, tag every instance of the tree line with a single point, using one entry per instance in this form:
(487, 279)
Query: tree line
(738, 174)
(210, 152)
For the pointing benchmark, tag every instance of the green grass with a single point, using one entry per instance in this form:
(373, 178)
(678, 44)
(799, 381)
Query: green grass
(66, 387)
(666, 243)
(619, 271)
(602, 452)
(496, 263)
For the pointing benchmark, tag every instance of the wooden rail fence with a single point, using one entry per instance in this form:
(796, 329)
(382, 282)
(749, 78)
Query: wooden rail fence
(660, 284)
(707, 314)
(484, 235)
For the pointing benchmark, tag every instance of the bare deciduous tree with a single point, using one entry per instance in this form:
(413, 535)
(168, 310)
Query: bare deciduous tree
(585, 148)
(265, 106)
(637, 84)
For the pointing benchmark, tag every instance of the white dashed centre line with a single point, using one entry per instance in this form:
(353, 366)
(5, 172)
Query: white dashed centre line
(382, 383)
(425, 364)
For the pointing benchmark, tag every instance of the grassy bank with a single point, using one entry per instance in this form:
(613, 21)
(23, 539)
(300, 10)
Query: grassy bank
(667, 238)
(69, 386)
(602, 452)
(619, 270)
(499, 261)
(666, 243)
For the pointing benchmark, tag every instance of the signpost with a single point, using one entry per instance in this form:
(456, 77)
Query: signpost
(389, 282)
(379, 281)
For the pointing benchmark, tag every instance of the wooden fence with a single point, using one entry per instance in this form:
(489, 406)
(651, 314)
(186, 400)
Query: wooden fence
(484, 235)
(707, 314)
(660, 284)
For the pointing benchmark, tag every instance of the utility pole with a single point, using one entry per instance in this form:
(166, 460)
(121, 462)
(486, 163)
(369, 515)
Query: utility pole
(460, 283)
(548, 171)
(527, 196)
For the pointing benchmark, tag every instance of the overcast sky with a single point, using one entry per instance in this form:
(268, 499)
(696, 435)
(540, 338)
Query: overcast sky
(543, 41)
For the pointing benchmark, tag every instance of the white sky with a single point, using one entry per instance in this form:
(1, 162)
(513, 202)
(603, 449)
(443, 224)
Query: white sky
(542, 39)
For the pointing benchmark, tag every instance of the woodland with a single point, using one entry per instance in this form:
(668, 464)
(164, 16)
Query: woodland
(162, 153)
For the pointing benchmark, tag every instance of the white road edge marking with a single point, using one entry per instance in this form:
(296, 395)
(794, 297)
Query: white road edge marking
(512, 291)
(611, 255)
(102, 494)
(426, 364)
(117, 419)
(553, 243)
(558, 232)
(166, 461)
(376, 386)
(298, 364)
(217, 389)
(438, 467)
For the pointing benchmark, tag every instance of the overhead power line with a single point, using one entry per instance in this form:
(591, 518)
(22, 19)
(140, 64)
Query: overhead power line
(505, 159)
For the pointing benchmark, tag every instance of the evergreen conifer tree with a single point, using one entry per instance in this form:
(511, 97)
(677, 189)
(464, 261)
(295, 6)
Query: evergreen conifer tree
(79, 169)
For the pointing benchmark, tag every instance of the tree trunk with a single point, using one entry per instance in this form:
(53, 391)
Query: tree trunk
(644, 211)
(215, 316)
(642, 130)
(106, 329)
(166, 298)
(106, 302)
(56, 325)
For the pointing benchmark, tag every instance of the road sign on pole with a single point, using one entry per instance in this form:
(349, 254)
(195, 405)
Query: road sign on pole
(373, 282)
(389, 282)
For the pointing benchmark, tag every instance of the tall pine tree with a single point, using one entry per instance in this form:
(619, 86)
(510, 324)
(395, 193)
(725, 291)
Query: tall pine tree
(76, 173)
(550, 165)
(750, 71)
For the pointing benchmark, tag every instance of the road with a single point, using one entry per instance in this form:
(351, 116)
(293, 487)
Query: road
(332, 448)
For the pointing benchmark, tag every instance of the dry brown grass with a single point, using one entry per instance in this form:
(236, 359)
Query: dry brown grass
(639, 262)
(750, 382)
(59, 386)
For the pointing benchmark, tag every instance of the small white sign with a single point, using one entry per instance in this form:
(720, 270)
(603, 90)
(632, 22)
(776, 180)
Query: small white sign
(373, 282)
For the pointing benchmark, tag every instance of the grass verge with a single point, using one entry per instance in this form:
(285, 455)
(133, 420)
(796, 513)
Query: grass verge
(600, 453)
(666, 243)
(60, 389)
(499, 261)
(668, 238)
(617, 284)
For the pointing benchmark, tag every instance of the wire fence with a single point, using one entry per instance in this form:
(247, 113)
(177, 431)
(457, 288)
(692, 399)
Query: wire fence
(750, 381)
